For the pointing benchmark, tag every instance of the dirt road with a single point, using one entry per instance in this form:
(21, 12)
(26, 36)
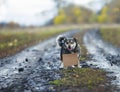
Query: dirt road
(104, 55)
(32, 69)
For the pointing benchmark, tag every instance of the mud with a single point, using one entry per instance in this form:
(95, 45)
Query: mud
(33, 68)
(103, 55)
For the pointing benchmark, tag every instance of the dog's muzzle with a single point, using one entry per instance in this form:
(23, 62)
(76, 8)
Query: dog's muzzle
(69, 48)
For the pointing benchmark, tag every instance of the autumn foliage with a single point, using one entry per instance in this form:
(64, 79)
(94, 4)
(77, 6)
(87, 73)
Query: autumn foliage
(70, 14)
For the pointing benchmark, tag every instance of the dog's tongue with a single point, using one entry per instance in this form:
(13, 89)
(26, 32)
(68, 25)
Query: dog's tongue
(69, 48)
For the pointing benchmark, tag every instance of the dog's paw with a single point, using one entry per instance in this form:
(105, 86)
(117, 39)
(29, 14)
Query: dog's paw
(79, 66)
(61, 65)
(73, 66)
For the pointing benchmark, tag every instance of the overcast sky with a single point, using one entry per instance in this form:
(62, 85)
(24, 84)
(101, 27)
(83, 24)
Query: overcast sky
(27, 12)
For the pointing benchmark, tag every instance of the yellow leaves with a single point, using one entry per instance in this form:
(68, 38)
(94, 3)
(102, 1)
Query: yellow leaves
(76, 11)
(60, 18)
(102, 18)
(61, 11)
(104, 10)
(75, 14)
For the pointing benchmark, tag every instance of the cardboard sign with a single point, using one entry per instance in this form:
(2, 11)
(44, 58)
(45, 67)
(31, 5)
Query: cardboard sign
(70, 59)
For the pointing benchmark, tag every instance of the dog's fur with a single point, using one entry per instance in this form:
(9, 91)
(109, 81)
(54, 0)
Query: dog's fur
(68, 46)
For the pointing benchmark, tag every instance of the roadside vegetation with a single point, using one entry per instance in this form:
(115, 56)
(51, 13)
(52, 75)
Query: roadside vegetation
(111, 35)
(15, 40)
(78, 79)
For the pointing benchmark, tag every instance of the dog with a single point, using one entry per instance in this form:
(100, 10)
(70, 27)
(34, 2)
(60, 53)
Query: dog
(68, 46)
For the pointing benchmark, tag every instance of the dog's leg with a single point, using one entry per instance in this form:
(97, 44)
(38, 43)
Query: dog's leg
(61, 65)
(79, 61)
(79, 65)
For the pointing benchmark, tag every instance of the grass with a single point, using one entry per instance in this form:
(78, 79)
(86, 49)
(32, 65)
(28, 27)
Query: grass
(111, 35)
(79, 37)
(82, 77)
(15, 40)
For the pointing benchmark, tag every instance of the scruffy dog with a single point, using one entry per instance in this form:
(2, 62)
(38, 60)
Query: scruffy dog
(68, 46)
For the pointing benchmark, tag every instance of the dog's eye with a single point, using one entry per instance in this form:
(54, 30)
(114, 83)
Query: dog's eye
(66, 42)
(72, 42)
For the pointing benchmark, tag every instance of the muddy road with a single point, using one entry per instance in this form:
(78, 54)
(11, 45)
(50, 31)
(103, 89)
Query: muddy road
(33, 68)
(103, 55)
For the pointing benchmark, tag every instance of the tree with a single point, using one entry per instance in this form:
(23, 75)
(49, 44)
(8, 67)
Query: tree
(114, 11)
(93, 18)
(103, 17)
(60, 18)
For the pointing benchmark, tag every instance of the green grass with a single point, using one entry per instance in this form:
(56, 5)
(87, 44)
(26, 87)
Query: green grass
(82, 77)
(15, 40)
(111, 35)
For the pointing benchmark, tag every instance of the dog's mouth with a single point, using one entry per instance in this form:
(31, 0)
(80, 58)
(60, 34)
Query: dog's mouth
(69, 48)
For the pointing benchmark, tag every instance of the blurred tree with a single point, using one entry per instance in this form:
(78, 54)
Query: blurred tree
(114, 11)
(103, 17)
(93, 18)
(77, 14)
(76, 11)
(60, 18)
(72, 14)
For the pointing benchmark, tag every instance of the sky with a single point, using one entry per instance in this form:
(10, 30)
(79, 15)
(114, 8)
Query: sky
(94, 5)
(33, 12)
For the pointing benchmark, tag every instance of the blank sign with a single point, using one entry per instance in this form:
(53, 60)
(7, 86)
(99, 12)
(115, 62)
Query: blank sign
(70, 59)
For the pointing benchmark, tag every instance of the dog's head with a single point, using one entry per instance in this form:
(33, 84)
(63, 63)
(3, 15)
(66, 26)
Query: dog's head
(67, 43)
(70, 43)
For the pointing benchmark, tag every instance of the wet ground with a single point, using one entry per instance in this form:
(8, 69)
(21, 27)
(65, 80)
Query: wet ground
(103, 55)
(33, 68)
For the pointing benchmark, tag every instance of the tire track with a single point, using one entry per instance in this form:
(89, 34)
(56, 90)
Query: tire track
(32, 69)
(104, 55)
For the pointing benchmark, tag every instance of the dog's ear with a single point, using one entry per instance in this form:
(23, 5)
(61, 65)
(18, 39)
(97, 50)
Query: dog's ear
(75, 40)
(60, 40)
